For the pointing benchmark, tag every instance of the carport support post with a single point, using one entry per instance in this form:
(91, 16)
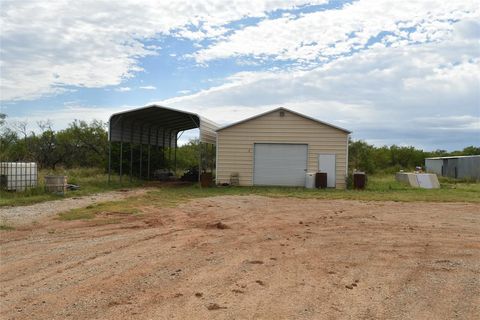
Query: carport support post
(109, 159)
(199, 160)
(175, 155)
(131, 152)
(121, 154)
(121, 160)
(141, 151)
(170, 150)
(148, 158)
(163, 149)
(157, 153)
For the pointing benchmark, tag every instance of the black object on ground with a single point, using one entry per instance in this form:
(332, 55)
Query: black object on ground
(190, 174)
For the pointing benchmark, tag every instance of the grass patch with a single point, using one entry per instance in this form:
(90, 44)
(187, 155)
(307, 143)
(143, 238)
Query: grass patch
(4, 227)
(76, 214)
(123, 207)
(379, 188)
(90, 180)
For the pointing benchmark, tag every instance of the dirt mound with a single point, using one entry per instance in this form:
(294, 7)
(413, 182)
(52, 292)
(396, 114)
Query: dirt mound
(155, 222)
(214, 306)
(218, 225)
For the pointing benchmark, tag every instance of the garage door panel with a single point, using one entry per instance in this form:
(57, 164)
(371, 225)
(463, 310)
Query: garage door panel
(280, 164)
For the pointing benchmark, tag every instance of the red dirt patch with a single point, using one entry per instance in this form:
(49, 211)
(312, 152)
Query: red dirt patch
(166, 264)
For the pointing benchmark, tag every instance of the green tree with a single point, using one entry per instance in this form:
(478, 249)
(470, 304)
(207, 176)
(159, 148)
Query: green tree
(47, 151)
(187, 155)
(471, 151)
(86, 143)
(361, 156)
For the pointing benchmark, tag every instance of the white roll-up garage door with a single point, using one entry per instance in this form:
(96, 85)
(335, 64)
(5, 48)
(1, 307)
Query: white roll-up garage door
(277, 164)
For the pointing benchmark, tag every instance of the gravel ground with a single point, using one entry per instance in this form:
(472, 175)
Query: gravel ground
(248, 257)
(15, 216)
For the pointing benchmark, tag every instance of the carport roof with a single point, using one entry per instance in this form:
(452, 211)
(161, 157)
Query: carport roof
(129, 125)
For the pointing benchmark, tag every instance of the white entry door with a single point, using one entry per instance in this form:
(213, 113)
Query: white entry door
(326, 163)
(279, 164)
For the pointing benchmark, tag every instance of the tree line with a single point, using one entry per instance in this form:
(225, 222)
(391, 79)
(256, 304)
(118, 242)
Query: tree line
(81, 144)
(85, 144)
(366, 157)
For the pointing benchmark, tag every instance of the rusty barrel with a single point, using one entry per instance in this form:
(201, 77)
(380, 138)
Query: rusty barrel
(56, 184)
(206, 180)
(359, 180)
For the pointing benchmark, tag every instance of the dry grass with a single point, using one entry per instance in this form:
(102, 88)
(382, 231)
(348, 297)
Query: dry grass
(90, 180)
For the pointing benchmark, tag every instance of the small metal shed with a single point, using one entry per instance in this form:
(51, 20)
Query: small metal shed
(152, 132)
(458, 167)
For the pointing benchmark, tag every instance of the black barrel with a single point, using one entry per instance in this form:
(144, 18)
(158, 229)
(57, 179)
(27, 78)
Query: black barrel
(321, 180)
(359, 180)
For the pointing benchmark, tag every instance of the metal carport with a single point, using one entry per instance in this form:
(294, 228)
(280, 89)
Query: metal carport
(157, 128)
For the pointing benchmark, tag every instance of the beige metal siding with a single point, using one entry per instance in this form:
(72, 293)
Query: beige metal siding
(236, 144)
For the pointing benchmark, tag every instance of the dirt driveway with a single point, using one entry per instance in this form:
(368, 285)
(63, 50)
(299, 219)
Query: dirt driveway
(267, 259)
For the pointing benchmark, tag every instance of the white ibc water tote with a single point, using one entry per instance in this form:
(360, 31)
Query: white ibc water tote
(18, 176)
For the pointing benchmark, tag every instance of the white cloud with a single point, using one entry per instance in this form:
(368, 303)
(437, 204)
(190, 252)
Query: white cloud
(48, 46)
(329, 33)
(422, 94)
(451, 123)
(123, 89)
(148, 87)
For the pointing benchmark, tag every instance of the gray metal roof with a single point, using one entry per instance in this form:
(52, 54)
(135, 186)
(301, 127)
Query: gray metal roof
(452, 157)
(158, 125)
(288, 110)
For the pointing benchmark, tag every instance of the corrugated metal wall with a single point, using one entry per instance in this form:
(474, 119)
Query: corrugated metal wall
(459, 168)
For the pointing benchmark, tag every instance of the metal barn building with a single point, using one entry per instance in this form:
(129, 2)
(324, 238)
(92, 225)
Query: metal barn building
(458, 167)
(278, 148)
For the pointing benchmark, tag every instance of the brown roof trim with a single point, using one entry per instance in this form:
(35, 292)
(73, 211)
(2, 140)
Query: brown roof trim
(288, 110)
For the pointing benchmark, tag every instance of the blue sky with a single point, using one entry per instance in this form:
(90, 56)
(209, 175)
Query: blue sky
(403, 72)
